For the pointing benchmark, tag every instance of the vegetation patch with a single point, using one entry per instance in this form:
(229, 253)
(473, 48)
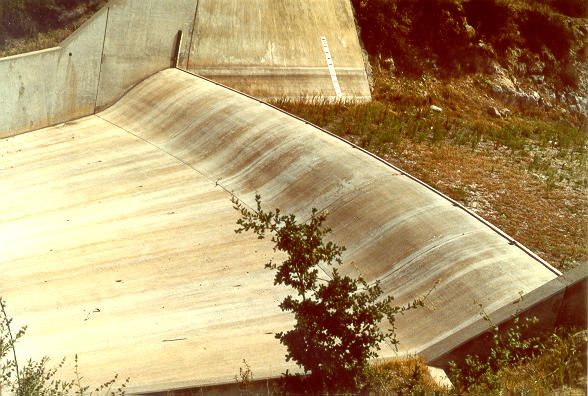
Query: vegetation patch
(30, 25)
(337, 328)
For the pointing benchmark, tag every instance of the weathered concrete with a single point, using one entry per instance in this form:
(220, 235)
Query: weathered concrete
(276, 45)
(268, 48)
(50, 86)
(25, 93)
(119, 242)
(140, 41)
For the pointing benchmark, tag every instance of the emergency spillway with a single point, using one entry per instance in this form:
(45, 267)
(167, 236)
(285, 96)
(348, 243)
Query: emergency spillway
(118, 240)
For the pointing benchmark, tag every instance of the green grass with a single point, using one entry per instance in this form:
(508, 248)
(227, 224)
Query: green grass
(380, 126)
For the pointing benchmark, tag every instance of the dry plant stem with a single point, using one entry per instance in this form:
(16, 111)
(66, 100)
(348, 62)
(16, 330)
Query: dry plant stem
(11, 340)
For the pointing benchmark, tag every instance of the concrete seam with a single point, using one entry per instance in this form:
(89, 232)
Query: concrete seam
(192, 34)
(510, 239)
(101, 59)
(216, 182)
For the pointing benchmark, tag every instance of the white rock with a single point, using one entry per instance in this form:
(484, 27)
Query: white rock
(493, 111)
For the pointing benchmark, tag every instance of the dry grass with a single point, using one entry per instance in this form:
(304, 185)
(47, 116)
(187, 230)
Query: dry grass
(408, 375)
(550, 219)
(38, 42)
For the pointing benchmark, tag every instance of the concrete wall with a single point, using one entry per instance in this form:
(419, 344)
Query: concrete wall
(28, 84)
(140, 41)
(267, 48)
(51, 86)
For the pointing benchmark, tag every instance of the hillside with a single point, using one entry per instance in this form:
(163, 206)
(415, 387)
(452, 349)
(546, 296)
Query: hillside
(533, 53)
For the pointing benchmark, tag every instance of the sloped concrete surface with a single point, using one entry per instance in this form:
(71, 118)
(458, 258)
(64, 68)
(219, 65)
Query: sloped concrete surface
(273, 48)
(118, 240)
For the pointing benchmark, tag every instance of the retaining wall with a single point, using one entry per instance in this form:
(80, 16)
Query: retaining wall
(51, 86)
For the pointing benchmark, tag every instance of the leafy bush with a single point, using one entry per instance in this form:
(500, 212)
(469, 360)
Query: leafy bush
(336, 330)
(37, 377)
(508, 348)
(455, 36)
(412, 31)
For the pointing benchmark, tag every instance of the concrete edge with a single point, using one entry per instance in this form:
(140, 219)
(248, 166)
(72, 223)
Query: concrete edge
(32, 53)
(258, 385)
(560, 302)
(220, 387)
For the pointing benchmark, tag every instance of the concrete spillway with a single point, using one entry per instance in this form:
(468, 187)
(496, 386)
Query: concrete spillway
(118, 240)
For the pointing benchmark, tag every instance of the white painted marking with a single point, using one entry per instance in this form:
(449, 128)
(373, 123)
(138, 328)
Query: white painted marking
(331, 67)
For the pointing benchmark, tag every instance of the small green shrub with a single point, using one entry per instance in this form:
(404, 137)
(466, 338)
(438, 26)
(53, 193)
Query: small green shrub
(516, 363)
(509, 348)
(37, 377)
(336, 330)
(244, 379)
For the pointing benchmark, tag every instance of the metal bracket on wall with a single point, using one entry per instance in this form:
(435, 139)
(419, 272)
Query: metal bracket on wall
(177, 48)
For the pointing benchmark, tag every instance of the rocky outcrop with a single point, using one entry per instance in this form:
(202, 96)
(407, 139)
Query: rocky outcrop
(507, 89)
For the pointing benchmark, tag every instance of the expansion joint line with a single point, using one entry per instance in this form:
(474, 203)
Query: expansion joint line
(101, 58)
(215, 182)
(192, 34)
